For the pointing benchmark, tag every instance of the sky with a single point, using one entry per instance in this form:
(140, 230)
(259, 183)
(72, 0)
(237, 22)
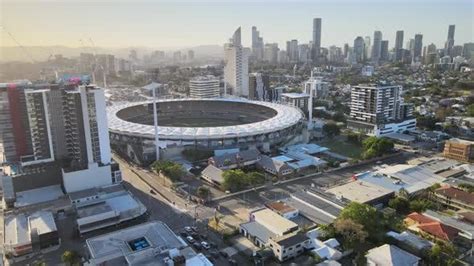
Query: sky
(179, 24)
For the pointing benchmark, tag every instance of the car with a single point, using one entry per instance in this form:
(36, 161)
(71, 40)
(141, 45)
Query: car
(188, 229)
(232, 262)
(214, 253)
(203, 236)
(224, 254)
(194, 228)
(190, 239)
(183, 234)
(205, 245)
(197, 245)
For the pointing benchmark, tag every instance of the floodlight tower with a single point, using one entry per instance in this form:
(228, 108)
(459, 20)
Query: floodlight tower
(155, 123)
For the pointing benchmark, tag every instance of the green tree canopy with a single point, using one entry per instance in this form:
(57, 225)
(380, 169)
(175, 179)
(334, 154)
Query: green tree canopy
(373, 147)
(331, 129)
(172, 170)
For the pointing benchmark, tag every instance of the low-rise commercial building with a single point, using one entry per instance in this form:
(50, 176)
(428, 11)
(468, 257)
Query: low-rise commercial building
(25, 233)
(459, 149)
(363, 192)
(283, 209)
(152, 243)
(102, 207)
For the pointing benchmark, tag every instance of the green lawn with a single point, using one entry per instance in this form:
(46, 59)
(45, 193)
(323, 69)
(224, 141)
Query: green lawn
(342, 147)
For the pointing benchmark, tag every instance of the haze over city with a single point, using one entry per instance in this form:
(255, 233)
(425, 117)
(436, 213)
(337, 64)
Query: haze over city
(177, 24)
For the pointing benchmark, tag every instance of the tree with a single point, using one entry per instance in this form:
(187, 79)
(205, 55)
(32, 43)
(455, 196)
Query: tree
(373, 147)
(254, 178)
(351, 231)
(203, 192)
(362, 214)
(172, 170)
(331, 129)
(421, 205)
(234, 180)
(69, 257)
(401, 205)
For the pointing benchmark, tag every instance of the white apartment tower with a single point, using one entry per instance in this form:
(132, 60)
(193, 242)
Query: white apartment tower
(319, 87)
(236, 70)
(204, 87)
(380, 110)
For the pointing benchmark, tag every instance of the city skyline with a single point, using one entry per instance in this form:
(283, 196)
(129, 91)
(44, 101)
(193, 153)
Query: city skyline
(103, 23)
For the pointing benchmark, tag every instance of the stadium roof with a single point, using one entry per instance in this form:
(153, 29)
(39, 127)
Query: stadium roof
(287, 116)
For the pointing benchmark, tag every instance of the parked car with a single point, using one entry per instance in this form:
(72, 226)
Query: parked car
(224, 254)
(190, 239)
(197, 245)
(188, 229)
(205, 245)
(183, 234)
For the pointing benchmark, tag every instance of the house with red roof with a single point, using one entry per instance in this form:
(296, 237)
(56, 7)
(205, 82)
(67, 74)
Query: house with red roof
(430, 228)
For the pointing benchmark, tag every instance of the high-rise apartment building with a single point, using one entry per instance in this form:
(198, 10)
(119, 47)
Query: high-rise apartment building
(204, 87)
(61, 124)
(376, 49)
(259, 87)
(304, 53)
(316, 38)
(236, 67)
(380, 110)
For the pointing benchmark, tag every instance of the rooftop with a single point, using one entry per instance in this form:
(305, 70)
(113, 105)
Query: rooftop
(291, 239)
(280, 207)
(391, 255)
(38, 195)
(456, 194)
(134, 240)
(258, 230)
(295, 95)
(274, 222)
(360, 191)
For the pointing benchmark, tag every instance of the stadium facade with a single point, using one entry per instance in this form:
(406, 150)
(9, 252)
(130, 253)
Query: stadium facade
(201, 124)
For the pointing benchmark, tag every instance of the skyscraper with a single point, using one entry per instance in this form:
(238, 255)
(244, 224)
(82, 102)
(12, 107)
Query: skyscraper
(399, 45)
(377, 46)
(417, 47)
(359, 49)
(316, 38)
(257, 44)
(271, 52)
(367, 52)
(450, 41)
(236, 74)
(292, 49)
(384, 50)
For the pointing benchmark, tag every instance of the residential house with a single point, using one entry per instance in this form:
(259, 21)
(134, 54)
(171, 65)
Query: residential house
(235, 160)
(387, 255)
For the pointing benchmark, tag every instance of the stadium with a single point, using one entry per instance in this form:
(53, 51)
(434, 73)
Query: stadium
(202, 124)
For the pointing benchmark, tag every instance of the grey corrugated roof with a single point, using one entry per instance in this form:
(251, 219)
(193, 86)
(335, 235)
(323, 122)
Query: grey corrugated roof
(214, 173)
(258, 230)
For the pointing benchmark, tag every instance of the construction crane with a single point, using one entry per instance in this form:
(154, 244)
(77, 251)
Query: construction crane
(25, 51)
